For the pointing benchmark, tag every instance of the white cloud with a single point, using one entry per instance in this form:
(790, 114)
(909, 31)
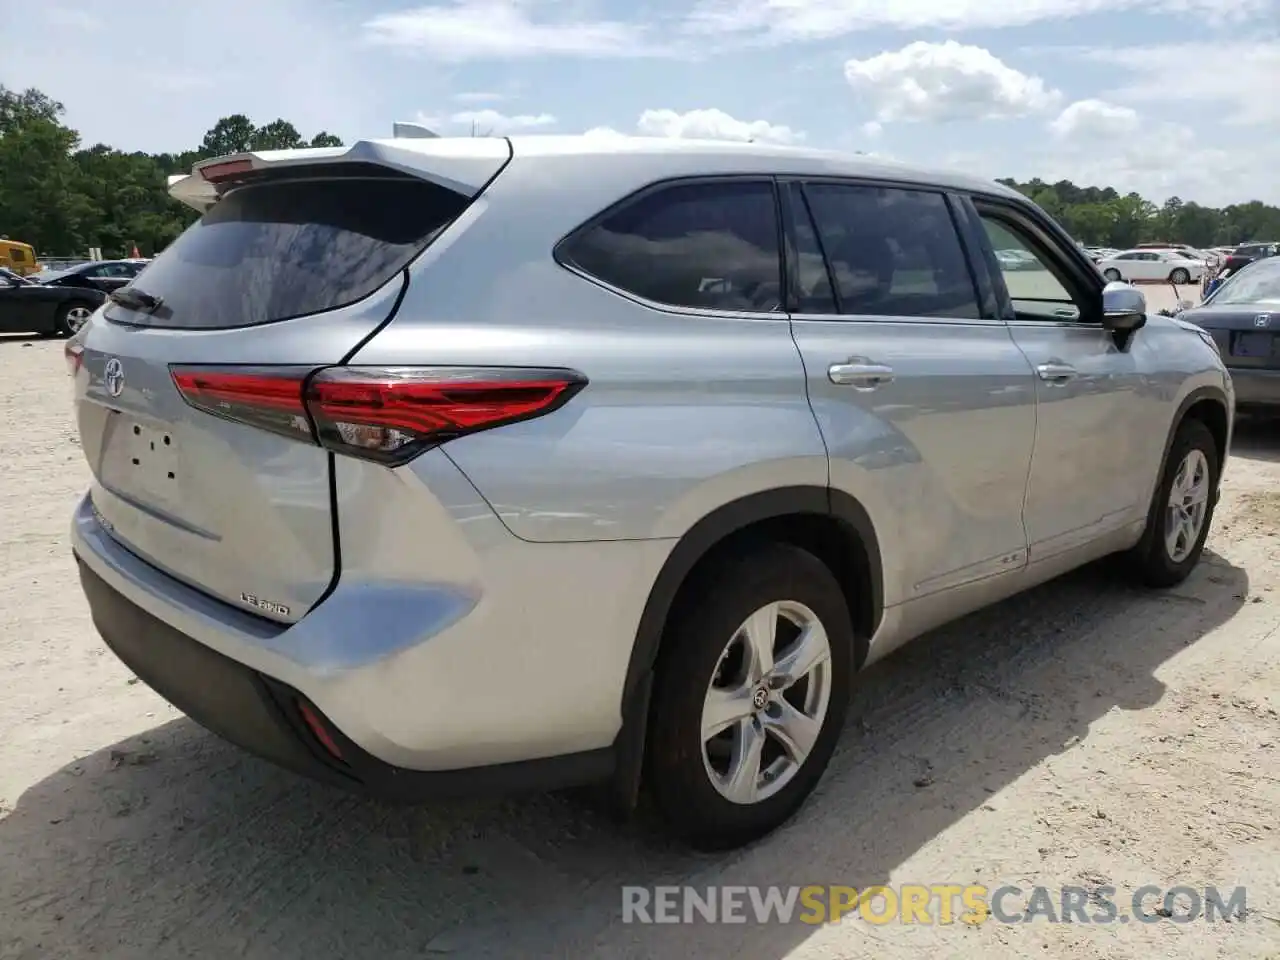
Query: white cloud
(785, 20)
(499, 29)
(605, 133)
(873, 129)
(946, 81)
(713, 124)
(1094, 121)
(487, 122)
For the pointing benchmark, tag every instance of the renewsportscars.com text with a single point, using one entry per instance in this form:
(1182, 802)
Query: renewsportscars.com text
(931, 904)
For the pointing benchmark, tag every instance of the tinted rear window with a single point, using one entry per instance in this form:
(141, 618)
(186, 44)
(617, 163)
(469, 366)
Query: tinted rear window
(284, 249)
(710, 245)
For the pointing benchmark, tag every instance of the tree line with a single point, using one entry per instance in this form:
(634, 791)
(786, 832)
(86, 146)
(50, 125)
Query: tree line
(63, 197)
(1101, 216)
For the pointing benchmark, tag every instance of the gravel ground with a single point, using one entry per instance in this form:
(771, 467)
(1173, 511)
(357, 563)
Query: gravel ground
(1084, 733)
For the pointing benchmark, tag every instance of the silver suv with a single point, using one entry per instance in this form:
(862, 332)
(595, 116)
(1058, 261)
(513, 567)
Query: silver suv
(425, 465)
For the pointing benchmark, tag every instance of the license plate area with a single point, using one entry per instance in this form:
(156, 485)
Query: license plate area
(146, 460)
(1251, 344)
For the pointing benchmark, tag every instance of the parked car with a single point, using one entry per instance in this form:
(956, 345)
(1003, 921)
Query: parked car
(1243, 316)
(1171, 265)
(30, 307)
(1245, 254)
(104, 275)
(619, 492)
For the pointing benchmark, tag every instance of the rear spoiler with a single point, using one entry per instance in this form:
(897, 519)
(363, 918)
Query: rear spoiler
(196, 192)
(464, 165)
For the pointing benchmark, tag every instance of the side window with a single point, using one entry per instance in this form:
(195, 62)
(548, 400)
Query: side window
(711, 245)
(893, 252)
(1035, 289)
(17, 255)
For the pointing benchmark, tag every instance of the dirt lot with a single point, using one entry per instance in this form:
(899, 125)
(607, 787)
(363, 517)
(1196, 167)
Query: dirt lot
(1083, 734)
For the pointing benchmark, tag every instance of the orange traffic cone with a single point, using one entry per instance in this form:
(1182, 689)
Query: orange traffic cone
(136, 255)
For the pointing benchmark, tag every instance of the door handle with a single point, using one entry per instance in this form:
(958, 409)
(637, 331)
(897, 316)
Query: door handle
(860, 374)
(1054, 372)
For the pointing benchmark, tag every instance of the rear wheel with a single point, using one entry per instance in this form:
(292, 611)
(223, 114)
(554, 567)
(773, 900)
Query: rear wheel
(1180, 276)
(1112, 274)
(750, 697)
(1181, 510)
(73, 316)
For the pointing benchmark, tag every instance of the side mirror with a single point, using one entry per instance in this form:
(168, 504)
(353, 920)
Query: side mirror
(1124, 308)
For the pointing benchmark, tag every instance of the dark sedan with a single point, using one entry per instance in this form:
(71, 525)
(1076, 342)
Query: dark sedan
(104, 275)
(1246, 253)
(1243, 315)
(27, 306)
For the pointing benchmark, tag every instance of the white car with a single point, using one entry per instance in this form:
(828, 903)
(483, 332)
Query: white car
(1171, 265)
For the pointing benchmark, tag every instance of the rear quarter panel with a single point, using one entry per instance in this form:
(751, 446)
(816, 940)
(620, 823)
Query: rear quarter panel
(683, 411)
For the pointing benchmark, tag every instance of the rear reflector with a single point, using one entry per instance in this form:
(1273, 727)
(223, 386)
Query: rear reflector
(385, 414)
(318, 730)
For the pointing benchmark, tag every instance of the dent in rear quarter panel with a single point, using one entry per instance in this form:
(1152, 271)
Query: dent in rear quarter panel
(682, 413)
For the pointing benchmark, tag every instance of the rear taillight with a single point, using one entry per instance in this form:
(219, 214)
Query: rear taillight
(73, 354)
(385, 414)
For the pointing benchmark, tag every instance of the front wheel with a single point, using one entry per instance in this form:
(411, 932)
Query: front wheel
(1181, 511)
(71, 317)
(751, 693)
(1180, 276)
(1112, 274)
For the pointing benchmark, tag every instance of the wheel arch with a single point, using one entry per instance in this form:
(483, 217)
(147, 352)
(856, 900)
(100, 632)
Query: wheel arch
(1209, 406)
(830, 523)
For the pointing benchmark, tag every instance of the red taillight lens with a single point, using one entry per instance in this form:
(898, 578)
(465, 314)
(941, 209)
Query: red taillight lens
(269, 398)
(73, 354)
(385, 414)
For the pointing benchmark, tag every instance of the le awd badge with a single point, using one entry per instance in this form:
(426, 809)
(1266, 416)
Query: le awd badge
(266, 606)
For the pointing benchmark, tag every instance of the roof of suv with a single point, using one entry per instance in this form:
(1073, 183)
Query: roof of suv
(668, 157)
(751, 158)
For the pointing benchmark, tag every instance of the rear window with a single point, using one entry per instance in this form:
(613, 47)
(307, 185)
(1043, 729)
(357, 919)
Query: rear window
(286, 248)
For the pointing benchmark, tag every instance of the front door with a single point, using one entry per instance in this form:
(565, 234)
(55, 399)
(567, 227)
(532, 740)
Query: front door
(926, 405)
(1098, 409)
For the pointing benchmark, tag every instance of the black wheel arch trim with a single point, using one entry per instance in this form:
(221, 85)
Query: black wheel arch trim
(696, 543)
(1197, 395)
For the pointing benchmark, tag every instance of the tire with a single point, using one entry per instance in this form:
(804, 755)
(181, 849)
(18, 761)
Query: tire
(1112, 274)
(700, 645)
(1180, 276)
(1153, 562)
(72, 316)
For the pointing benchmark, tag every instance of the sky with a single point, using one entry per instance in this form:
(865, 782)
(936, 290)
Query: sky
(1165, 97)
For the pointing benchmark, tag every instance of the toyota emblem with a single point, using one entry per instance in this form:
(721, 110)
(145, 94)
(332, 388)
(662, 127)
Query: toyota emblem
(1262, 320)
(113, 377)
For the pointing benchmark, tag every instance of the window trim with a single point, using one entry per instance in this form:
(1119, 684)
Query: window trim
(1082, 281)
(986, 301)
(559, 251)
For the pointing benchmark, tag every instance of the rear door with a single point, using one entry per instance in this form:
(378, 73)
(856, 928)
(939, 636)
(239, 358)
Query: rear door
(291, 270)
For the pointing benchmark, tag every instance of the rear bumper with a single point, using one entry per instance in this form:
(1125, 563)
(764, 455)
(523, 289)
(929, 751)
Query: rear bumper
(265, 716)
(1256, 388)
(509, 673)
